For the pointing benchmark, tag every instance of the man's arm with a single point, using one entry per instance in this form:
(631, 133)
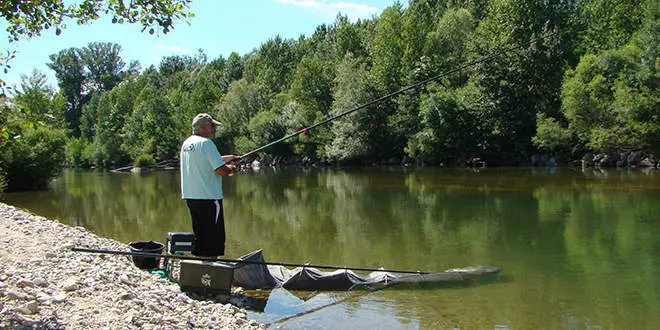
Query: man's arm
(228, 169)
(230, 158)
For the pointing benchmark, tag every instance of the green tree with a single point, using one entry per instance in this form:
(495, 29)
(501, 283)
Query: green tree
(31, 154)
(388, 49)
(312, 85)
(607, 24)
(88, 120)
(266, 127)
(353, 136)
(150, 130)
(452, 127)
(207, 88)
(349, 39)
(551, 135)
(387, 52)
(114, 108)
(446, 47)
(242, 102)
(272, 66)
(610, 101)
(104, 67)
(171, 65)
(523, 82)
(80, 73)
(38, 101)
(477, 8)
(233, 68)
(69, 71)
(418, 21)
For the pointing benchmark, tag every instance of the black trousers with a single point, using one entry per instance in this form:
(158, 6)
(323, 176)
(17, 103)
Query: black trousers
(208, 224)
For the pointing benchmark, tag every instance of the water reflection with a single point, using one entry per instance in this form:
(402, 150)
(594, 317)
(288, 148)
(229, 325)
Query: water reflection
(578, 246)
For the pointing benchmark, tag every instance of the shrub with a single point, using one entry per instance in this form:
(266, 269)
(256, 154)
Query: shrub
(145, 160)
(74, 152)
(33, 157)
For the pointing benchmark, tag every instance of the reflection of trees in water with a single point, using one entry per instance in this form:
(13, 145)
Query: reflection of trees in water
(568, 236)
(123, 207)
(609, 238)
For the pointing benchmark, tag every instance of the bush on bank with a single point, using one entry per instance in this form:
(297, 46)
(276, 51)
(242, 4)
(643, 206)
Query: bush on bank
(31, 156)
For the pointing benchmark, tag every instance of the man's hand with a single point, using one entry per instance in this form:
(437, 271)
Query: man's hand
(226, 170)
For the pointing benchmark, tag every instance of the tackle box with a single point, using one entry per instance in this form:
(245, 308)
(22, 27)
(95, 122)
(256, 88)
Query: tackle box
(206, 276)
(180, 243)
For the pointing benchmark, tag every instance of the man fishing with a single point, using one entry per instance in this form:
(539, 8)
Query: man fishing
(202, 168)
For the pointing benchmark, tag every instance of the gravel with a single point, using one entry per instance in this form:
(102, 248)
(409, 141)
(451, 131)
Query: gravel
(43, 284)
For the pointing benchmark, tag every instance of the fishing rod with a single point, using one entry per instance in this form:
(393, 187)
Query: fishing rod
(252, 262)
(385, 97)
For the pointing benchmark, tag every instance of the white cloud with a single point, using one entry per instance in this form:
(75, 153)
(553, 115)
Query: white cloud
(330, 9)
(175, 49)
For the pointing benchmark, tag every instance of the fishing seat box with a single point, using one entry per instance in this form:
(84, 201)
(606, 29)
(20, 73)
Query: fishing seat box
(206, 276)
(180, 243)
(177, 243)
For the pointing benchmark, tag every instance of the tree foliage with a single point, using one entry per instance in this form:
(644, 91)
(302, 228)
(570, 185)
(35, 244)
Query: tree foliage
(31, 153)
(30, 18)
(611, 102)
(514, 78)
(352, 134)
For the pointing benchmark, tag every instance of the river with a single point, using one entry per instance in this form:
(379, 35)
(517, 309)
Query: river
(580, 249)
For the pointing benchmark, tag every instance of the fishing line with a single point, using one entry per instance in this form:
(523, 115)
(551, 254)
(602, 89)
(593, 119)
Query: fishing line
(316, 309)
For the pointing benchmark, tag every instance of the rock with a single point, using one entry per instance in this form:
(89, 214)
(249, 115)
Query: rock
(22, 283)
(71, 284)
(30, 308)
(646, 162)
(18, 295)
(634, 158)
(60, 297)
(587, 159)
(41, 282)
(127, 296)
(24, 321)
(44, 284)
(43, 298)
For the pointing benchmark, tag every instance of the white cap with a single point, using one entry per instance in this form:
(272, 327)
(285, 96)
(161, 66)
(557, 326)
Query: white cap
(202, 118)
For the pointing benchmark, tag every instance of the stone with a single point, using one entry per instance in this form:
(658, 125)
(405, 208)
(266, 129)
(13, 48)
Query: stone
(59, 297)
(45, 284)
(18, 295)
(41, 282)
(26, 283)
(70, 284)
(30, 308)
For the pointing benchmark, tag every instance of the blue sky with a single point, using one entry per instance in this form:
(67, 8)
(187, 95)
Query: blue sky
(218, 28)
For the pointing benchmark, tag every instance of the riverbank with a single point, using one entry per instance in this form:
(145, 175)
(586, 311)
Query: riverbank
(43, 284)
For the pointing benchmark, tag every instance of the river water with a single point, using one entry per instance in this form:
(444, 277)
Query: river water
(580, 249)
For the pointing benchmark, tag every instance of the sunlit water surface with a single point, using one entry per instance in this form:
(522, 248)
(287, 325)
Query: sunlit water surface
(579, 249)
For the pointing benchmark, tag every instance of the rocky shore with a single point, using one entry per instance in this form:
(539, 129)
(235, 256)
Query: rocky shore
(43, 284)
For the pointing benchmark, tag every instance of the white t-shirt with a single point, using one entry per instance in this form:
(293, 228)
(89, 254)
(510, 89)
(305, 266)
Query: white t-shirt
(199, 159)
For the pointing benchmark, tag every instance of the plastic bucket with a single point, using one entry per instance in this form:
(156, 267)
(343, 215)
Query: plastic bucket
(144, 262)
